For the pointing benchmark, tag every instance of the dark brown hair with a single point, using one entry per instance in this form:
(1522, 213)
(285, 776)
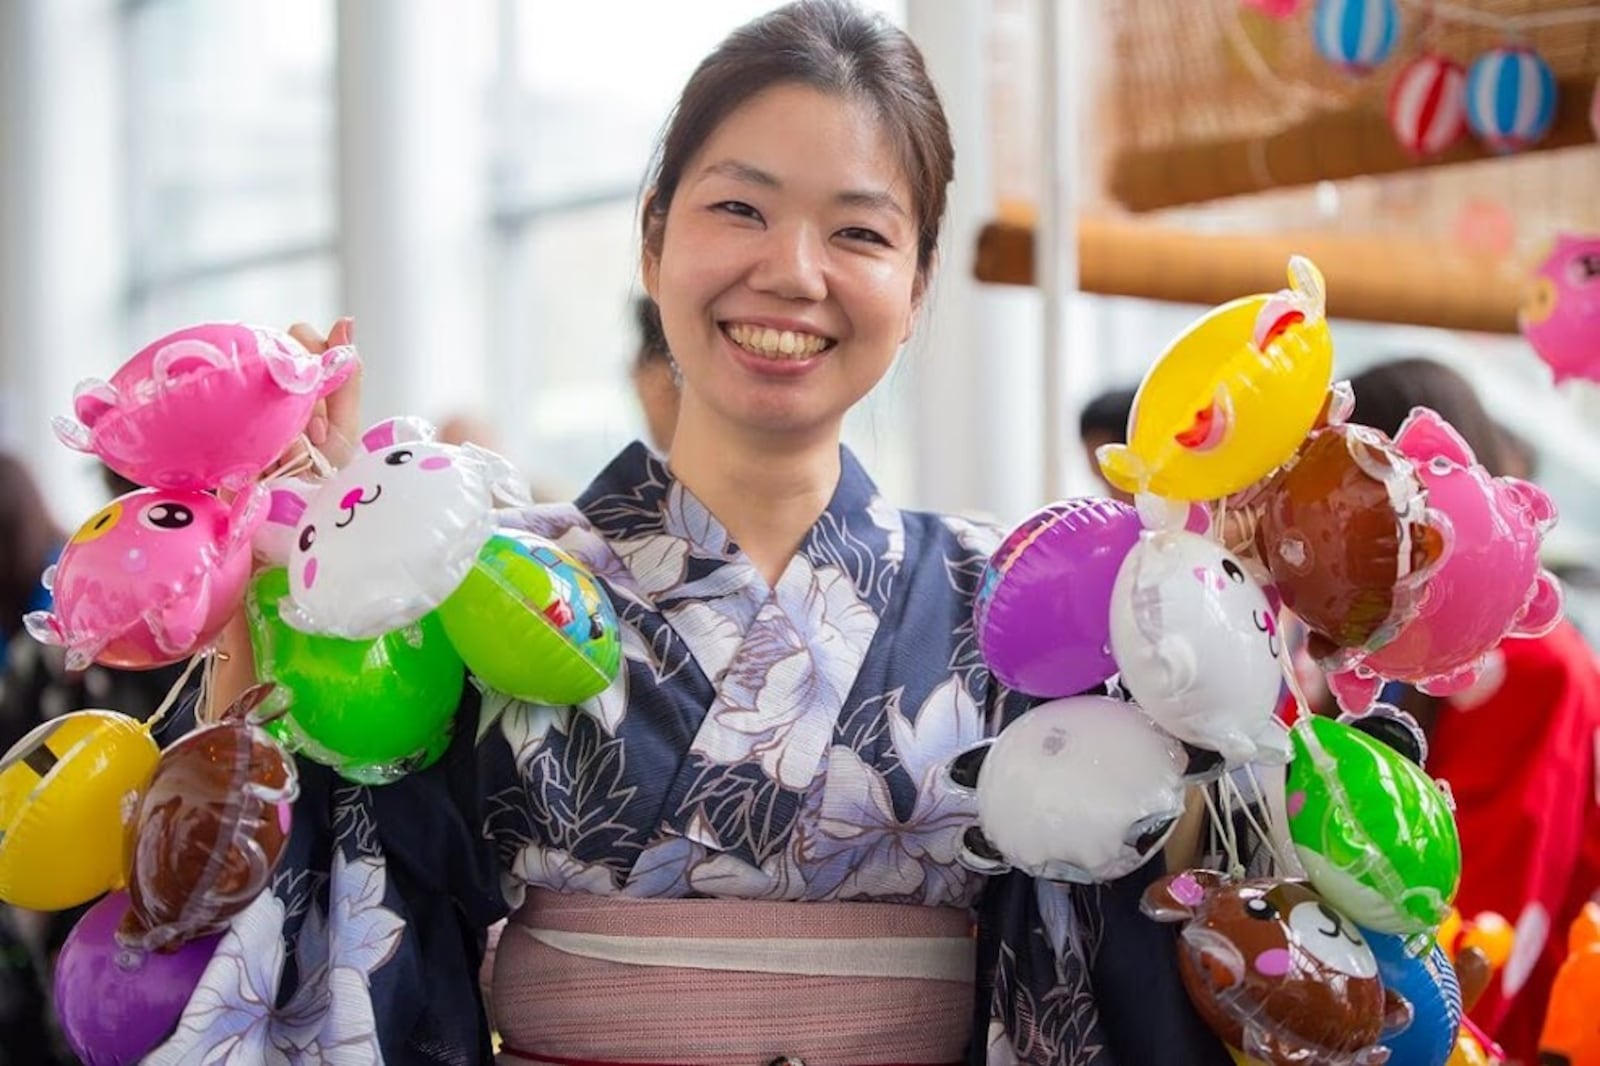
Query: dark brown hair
(652, 340)
(1386, 393)
(832, 46)
(28, 535)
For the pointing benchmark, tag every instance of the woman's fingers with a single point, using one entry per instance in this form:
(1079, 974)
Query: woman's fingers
(343, 406)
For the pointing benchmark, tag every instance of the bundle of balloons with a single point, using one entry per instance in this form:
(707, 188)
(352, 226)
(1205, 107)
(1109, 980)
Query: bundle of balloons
(1403, 560)
(370, 592)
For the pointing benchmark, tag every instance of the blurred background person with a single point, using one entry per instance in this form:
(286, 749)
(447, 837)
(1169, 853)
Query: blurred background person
(1104, 420)
(29, 542)
(1517, 749)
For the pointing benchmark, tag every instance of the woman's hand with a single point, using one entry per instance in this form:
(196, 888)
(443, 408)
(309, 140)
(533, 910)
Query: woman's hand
(333, 429)
(335, 424)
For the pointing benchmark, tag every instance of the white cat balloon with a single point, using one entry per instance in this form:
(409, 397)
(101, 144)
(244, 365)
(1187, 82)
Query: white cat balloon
(388, 538)
(1197, 645)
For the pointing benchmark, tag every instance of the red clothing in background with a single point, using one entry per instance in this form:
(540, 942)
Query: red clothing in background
(1518, 751)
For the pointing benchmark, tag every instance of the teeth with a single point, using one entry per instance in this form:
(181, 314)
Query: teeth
(776, 344)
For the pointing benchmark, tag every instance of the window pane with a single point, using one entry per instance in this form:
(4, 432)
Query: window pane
(230, 119)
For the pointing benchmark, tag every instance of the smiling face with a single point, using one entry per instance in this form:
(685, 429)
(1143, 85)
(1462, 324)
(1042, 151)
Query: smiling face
(786, 267)
(386, 539)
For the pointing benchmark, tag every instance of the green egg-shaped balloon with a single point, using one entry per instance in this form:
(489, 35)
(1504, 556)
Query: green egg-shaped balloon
(374, 710)
(532, 622)
(1376, 835)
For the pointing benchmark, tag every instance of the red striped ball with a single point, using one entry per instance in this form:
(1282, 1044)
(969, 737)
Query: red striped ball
(1428, 105)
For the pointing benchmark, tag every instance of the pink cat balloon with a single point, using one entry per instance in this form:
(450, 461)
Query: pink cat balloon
(385, 540)
(1489, 585)
(208, 406)
(151, 578)
(1560, 312)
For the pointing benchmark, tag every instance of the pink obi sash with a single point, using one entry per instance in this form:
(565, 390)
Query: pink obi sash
(583, 980)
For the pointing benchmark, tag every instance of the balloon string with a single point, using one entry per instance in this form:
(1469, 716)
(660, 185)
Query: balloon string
(171, 700)
(1224, 829)
(1272, 844)
(1276, 824)
(306, 457)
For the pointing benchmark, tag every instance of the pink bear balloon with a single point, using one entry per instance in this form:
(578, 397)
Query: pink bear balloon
(208, 406)
(1488, 586)
(1560, 312)
(151, 578)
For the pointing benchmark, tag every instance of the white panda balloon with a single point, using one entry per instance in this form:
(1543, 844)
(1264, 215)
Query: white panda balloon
(1082, 789)
(385, 540)
(1197, 645)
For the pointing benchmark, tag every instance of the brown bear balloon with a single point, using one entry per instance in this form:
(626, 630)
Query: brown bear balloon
(1349, 539)
(1276, 971)
(208, 831)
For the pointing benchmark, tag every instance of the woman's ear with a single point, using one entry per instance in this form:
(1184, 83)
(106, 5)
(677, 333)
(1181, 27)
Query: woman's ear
(919, 289)
(651, 227)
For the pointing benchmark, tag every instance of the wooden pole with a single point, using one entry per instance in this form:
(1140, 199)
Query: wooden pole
(1324, 147)
(1370, 278)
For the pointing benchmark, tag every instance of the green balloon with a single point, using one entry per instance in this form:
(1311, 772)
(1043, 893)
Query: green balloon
(374, 710)
(1375, 833)
(530, 621)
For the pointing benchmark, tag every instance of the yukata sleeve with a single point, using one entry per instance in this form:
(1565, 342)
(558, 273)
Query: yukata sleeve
(1076, 975)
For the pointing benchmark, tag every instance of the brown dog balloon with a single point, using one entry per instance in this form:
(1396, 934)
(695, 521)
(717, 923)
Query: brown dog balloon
(1277, 972)
(1347, 534)
(209, 830)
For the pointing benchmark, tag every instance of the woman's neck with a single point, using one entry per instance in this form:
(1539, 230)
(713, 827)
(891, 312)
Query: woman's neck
(766, 492)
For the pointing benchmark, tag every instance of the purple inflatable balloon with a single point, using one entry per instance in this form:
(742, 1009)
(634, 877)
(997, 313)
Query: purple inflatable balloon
(116, 1004)
(1044, 608)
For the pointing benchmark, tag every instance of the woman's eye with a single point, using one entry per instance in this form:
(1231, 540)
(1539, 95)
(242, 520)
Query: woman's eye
(736, 207)
(861, 233)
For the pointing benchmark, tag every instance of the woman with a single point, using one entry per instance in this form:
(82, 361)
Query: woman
(1518, 749)
(743, 850)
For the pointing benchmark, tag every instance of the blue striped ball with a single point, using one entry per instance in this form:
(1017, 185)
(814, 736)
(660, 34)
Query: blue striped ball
(1511, 98)
(1356, 34)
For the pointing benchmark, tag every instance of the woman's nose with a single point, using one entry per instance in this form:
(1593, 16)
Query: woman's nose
(792, 264)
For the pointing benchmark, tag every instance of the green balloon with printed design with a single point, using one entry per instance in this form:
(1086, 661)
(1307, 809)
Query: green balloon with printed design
(1376, 834)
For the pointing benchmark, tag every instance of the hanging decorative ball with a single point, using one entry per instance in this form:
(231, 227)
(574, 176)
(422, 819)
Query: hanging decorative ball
(1275, 9)
(1428, 105)
(1511, 98)
(1356, 35)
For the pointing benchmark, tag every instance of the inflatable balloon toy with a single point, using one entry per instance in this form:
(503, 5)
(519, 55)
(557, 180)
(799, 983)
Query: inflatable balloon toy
(209, 829)
(1275, 971)
(374, 710)
(1376, 835)
(1345, 530)
(1571, 1033)
(1427, 981)
(116, 1004)
(1043, 609)
(1197, 644)
(1490, 584)
(150, 579)
(70, 779)
(533, 623)
(1560, 312)
(1082, 789)
(209, 406)
(1231, 399)
(386, 539)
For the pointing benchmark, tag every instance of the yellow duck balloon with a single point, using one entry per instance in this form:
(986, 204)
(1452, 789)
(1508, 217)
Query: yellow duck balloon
(66, 792)
(1232, 398)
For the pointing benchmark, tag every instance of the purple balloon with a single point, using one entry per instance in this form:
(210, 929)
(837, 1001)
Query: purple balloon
(1043, 612)
(116, 1003)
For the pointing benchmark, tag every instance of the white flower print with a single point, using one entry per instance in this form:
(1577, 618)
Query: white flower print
(662, 870)
(980, 538)
(1000, 1053)
(657, 562)
(887, 518)
(231, 1018)
(949, 722)
(558, 871)
(781, 697)
(683, 516)
(525, 725)
(859, 849)
(730, 877)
